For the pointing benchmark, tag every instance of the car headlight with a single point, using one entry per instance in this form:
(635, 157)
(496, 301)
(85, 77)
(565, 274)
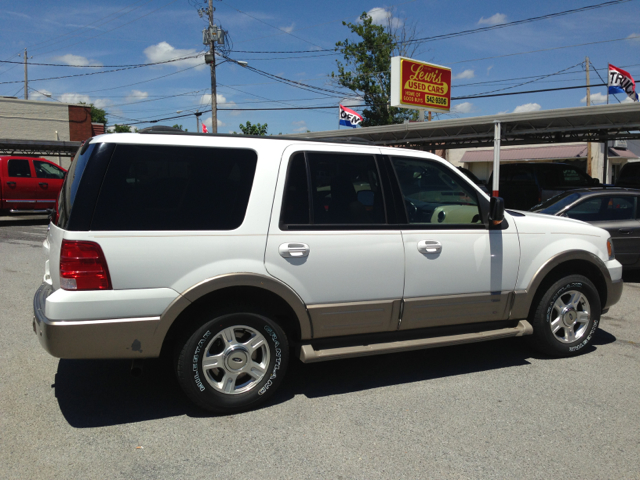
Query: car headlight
(610, 251)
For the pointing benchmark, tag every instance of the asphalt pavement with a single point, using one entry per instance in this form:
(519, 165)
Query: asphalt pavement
(490, 410)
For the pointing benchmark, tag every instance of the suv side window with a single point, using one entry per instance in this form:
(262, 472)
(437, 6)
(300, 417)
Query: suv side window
(19, 168)
(46, 170)
(434, 195)
(332, 189)
(175, 188)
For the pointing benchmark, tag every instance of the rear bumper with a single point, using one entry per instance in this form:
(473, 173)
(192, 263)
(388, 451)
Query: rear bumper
(108, 338)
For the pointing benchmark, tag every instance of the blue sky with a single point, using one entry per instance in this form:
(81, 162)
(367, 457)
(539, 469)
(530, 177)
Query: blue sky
(145, 31)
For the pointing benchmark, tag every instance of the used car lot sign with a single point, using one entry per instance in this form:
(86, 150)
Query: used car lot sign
(420, 84)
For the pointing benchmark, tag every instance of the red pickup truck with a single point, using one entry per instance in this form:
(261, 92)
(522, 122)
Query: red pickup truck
(29, 185)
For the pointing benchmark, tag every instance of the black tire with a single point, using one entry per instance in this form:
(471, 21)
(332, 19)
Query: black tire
(576, 291)
(216, 389)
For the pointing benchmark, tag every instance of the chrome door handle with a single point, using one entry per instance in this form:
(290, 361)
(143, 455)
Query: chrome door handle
(429, 246)
(625, 231)
(293, 250)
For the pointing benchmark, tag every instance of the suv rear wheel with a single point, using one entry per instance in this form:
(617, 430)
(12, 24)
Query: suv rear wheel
(567, 317)
(233, 362)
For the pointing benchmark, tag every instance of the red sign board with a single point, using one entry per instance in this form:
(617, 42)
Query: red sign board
(424, 85)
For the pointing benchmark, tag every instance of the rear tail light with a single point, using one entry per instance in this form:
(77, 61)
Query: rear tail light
(83, 266)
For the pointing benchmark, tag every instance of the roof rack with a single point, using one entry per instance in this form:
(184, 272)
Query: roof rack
(165, 130)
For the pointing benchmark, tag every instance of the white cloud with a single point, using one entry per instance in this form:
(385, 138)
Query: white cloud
(351, 101)
(77, 60)
(493, 19)
(489, 69)
(464, 107)
(42, 94)
(302, 126)
(207, 122)
(627, 100)
(205, 100)
(527, 107)
(382, 16)
(596, 99)
(634, 38)
(163, 52)
(466, 74)
(136, 95)
(288, 29)
(80, 97)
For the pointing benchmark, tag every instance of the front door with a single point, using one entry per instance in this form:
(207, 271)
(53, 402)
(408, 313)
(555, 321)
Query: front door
(50, 178)
(457, 270)
(330, 241)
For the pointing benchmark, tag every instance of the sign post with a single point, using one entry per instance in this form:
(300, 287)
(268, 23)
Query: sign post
(419, 85)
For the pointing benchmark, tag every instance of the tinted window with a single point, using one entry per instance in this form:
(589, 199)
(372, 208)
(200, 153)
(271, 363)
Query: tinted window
(47, 170)
(433, 194)
(562, 176)
(345, 190)
(175, 188)
(71, 184)
(295, 209)
(630, 175)
(19, 168)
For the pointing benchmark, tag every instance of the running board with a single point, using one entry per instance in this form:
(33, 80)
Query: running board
(309, 355)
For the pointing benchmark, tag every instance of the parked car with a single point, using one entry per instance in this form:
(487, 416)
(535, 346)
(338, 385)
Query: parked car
(480, 183)
(614, 209)
(629, 175)
(523, 185)
(29, 185)
(228, 254)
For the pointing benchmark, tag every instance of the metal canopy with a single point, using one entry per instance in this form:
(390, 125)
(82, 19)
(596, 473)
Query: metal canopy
(595, 123)
(38, 147)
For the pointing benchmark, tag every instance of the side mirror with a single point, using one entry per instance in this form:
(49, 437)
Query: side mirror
(496, 210)
(595, 181)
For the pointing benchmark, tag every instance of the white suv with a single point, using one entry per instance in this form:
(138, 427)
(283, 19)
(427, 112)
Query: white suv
(228, 254)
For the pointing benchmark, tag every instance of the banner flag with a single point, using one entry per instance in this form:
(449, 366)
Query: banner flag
(349, 118)
(204, 128)
(622, 82)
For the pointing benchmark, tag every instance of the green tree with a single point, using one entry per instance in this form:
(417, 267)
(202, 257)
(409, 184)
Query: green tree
(122, 128)
(367, 64)
(98, 115)
(180, 127)
(257, 129)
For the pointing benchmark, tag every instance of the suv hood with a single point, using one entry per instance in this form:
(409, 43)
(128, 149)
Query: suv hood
(530, 222)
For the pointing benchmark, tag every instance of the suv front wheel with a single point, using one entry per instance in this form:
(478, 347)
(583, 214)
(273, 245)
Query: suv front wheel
(567, 317)
(233, 362)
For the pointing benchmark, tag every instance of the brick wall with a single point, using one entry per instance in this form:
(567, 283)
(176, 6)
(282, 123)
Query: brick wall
(79, 123)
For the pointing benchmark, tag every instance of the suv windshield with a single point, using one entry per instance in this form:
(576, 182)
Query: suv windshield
(557, 203)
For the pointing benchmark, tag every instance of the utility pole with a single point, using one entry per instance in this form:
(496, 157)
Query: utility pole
(589, 157)
(26, 78)
(214, 102)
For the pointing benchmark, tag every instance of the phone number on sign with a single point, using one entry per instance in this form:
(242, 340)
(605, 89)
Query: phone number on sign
(436, 100)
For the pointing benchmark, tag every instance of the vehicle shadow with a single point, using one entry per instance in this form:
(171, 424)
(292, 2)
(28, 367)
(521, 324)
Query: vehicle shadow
(97, 393)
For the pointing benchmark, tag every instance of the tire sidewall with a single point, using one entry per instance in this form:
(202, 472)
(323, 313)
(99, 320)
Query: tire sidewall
(192, 377)
(545, 310)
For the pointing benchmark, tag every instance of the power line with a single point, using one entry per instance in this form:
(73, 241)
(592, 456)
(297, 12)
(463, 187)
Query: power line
(107, 71)
(107, 31)
(471, 31)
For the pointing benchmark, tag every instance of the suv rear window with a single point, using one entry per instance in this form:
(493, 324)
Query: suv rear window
(175, 188)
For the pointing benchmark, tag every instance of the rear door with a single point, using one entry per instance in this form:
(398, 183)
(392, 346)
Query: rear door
(20, 185)
(331, 241)
(50, 178)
